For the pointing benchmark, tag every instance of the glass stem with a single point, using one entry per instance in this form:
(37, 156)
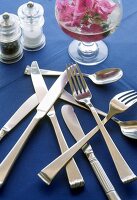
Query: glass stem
(88, 49)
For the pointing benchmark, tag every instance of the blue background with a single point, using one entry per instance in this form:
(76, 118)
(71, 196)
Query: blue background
(42, 148)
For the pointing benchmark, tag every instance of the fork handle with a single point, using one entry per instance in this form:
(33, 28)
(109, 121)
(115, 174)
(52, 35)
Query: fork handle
(100, 112)
(124, 171)
(74, 176)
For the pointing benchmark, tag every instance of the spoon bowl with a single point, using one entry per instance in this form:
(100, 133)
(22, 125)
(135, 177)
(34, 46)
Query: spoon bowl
(106, 76)
(129, 128)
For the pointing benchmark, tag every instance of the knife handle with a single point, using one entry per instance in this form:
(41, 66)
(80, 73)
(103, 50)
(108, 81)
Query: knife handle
(74, 176)
(11, 157)
(101, 174)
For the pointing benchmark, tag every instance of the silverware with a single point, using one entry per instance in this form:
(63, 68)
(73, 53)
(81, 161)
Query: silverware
(128, 128)
(42, 109)
(82, 94)
(76, 130)
(117, 105)
(101, 77)
(74, 176)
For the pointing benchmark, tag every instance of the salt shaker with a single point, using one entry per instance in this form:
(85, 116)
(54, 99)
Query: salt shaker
(32, 21)
(10, 32)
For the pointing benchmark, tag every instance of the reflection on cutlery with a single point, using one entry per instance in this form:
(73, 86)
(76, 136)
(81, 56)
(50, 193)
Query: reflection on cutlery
(101, 77)
(75, 128)
(128, 128)
(45, 105)
(118, 104)
(74, 176)
(83, 95)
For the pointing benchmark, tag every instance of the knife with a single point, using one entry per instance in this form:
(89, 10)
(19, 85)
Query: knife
(76, 130)
(74, 176)
(45, 105)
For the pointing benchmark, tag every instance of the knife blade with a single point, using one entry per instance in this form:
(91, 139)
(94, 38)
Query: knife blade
(27, 107)
(76, 130)
(42, 109)
(74, 176)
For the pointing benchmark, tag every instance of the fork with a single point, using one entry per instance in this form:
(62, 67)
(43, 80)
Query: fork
(118, 104)
(82, 94)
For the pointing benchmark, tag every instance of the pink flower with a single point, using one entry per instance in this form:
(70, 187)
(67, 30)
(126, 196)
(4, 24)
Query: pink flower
(65, 10)
(83, 12)
(103, 8)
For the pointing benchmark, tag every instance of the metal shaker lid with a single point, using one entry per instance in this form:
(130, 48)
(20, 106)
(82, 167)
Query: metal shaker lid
(31, 13)
(9, 27)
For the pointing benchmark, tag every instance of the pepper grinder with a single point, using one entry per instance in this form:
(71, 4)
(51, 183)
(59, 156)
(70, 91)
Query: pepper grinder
(10, 32)
(32, 21)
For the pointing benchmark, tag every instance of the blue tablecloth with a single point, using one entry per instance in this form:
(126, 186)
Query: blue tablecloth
(42, 148)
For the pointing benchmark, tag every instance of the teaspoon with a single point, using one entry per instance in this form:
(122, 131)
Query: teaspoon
(128, 128)
(101, 77)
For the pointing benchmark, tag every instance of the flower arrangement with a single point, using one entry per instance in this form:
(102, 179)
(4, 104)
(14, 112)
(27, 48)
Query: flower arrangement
(88, 15)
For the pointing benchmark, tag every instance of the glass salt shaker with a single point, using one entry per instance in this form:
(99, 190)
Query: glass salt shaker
(32, 21)
(10, 32)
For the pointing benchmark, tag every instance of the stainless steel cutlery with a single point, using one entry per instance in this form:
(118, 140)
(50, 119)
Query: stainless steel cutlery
(118, 104)
(128, 128)
(83, 95)
(75, 128)
(42, 110)
(74, 176)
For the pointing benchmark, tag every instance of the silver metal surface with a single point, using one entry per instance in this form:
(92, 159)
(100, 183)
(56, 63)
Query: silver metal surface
(101, 77)
(83, 95)
(48, 101)
(49, 172)
(74, 176)
(128, 128)
(76, 130)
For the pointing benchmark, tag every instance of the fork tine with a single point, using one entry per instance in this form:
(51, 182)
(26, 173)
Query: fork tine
(72, 72)
(123, 94)
(70, 80)
(84, 84)
(131, 100)
(78, 80)
(125, 97)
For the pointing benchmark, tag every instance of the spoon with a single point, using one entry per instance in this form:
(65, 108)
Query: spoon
(102, 77)
(128, 128)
